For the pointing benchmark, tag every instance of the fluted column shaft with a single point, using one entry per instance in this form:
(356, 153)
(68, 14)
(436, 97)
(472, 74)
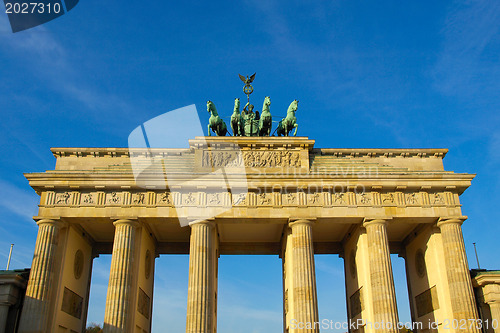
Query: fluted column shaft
(202, 279)
(495, 316)
(4, 312)
(381, 278)
(40, 287)
(304, 277)
(457, 270)
(119, 310)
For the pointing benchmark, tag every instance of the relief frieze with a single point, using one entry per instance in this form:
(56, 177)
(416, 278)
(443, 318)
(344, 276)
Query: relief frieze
(339, 199)
(114, 198)
(189, 199)
(412, 199)
(63, 198)
(138, 198)
(252, 159)
(239, 199)
(87, 199)
(437, 199)
(264, 199)
(164, 199)
(144, 304)
(72, 303)
(315, 198)
(364, 199)
(427, 302)
(215, 199)
(290, 199)
(388, 199)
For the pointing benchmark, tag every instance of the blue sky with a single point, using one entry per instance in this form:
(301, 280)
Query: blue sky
(403, 74)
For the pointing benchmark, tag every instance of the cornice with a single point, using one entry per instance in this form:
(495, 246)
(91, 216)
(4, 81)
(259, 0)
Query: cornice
(86, 175)
(382, 152)
(116, 152)
(483, 279)
(271, 142)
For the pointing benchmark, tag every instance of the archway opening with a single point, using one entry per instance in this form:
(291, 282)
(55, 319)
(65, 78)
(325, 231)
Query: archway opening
(330, 285)
(98, 290)
(170, 293)
(401, 287)
(250, 294)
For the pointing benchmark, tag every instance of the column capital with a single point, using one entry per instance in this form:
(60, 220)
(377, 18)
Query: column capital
(50, 221)
(209, 222)
(451, 219)
(370, 221)
(130, 221)
(296, 221)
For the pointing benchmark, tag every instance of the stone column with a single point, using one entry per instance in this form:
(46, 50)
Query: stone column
(4, 312)
(304, 278)
(495, 316)
(201, 305)
(457, 270)
(385, 310)
(40, 290)
(119, 312)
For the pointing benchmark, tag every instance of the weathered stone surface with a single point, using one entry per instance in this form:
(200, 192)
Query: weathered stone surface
(202, 290)
(244, 191)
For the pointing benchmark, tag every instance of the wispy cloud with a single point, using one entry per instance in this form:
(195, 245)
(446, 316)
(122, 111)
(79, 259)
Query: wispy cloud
(22, 254)
(251, 313)
(52, 64)
(466, 66)
(246, 319)
(325, 64)
(20, 202)
(324, 264)
(17, 206)
(170, 304)
(343, 76)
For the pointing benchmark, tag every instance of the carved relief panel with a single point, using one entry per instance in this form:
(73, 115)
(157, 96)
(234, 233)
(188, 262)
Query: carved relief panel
(300, 197)
(252, 159)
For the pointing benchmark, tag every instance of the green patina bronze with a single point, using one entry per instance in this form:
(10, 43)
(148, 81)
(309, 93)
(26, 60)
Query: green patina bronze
(236, 119)
(215, 123)
(250, 122)
(290, 122)
(266, 120)
(247, 89)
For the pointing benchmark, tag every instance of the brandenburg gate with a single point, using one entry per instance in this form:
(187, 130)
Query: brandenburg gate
(249, 195)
